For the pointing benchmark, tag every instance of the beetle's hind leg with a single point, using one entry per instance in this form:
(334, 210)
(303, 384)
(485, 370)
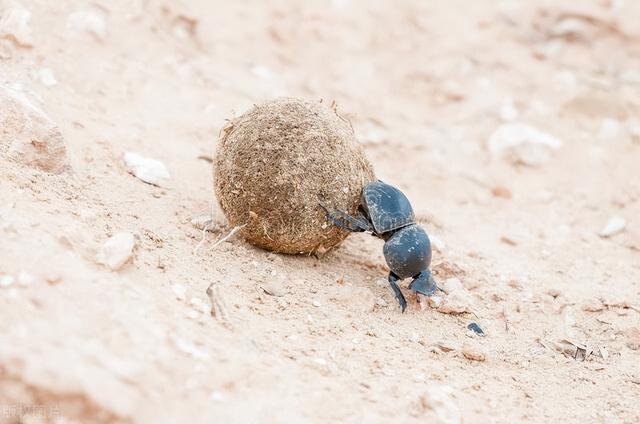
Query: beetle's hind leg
(393, 278)
(347, 222)
(424, 283)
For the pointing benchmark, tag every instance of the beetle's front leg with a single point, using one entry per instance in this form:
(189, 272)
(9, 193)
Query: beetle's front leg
(345, 221)
(393, 278)
(424, 283)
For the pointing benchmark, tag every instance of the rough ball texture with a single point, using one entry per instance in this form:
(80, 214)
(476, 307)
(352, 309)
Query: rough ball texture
(274, 163)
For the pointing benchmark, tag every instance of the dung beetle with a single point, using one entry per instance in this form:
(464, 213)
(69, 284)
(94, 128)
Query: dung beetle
(386, 212)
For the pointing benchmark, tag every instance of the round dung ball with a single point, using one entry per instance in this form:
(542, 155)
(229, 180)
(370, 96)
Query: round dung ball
(277, 162)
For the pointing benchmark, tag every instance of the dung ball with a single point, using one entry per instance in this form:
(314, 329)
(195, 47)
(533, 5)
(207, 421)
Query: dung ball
(277, 162)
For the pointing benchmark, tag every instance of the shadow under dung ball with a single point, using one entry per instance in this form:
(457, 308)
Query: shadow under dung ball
(274, 163)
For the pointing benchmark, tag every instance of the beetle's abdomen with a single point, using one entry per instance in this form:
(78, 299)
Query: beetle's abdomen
(408, 251)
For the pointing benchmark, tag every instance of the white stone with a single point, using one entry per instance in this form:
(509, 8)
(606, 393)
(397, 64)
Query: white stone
(262, 72)
(117, 251)
(419, 377)
(7, 280)
(614, 226)
(458, 302)
(610, 129)
(28, 136)
(451, 284)
(570, 28)
(634, 130)
(509, 112)
(523, 144)
(186, 346)
(179, 290)
(473, 353)
(151, 171)
(631, 76)
(92, 21)
(46, 77)
(437, 242)
(14, 25)
(434, 301)
(320, 361)
(217, 396)
(26, 279)
(566, 80)
(439, 399)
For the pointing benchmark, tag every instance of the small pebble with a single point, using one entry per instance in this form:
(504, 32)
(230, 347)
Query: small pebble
(458, 302)
(593, 305)
(316, 303)
(446, 347)
(26, 279)
(555, 293)
(434, 301)
(33, 137)
(604, 352)
(151, 171)
(320, 361)
(15, 25)
(92, 21)
(610, 129)
(614, 226)
(451, 285)
(522, 144)
(273, 289)
(633, 338)
(217, 396)
(117, 251)
(179, 290)
(419, 377)
(186, 346)
(262, 72)
(7, 280)
(47, 78)
(503, 192)
(509, 111)
(382, 282)
(440, 401)
(53, 277)
(476, 329)
(205, 222)
(473, 354)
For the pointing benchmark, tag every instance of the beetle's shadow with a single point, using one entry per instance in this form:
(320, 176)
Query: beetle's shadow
(358, 259)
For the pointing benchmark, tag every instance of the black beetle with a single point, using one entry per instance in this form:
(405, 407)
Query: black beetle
(386, 212)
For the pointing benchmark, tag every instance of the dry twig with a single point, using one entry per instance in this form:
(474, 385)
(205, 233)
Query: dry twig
(218, 310)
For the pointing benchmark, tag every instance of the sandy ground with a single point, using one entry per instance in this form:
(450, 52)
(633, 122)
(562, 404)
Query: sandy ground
(426, 85)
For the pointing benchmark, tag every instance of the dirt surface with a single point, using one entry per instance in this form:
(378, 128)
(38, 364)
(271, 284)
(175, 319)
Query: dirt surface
(513, 127)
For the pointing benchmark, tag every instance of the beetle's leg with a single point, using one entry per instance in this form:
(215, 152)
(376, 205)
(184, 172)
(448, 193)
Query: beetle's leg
(393, 278)
(346, 221)
(424, 283)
